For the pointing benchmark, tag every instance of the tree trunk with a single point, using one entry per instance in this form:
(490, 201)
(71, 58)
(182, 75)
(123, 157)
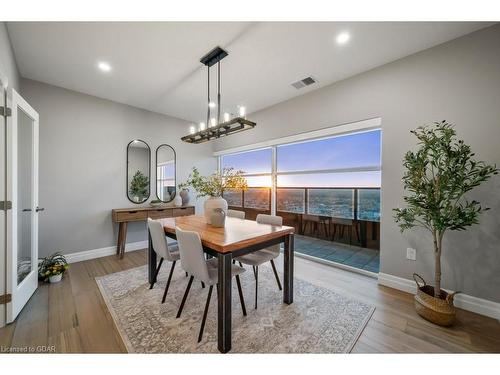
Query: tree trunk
(437, 256)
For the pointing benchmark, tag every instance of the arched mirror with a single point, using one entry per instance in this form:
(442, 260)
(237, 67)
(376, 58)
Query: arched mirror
(138, 171)
(165, 173)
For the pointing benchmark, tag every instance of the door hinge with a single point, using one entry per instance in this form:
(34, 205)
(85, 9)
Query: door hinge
(5, 205)
(5, 111)
(5, 299)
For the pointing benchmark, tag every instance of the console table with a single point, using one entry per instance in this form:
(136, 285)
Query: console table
(123, 216)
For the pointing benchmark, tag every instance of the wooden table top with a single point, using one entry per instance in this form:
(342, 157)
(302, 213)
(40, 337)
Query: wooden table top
(237, 234)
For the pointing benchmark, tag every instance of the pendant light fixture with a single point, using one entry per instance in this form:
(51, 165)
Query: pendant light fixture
(213, 128)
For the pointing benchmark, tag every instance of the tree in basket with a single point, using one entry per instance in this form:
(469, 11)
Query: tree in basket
(139, 186)
(214, 186)
(438, 175)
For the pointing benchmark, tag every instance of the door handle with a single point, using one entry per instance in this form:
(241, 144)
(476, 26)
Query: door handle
(38, 209)
(26, 209)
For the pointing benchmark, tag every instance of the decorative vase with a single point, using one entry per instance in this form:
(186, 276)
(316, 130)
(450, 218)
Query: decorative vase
(440, 311)
(211, 204)
(177, 201)
(218, 218)
(185, 196)
(55, 279)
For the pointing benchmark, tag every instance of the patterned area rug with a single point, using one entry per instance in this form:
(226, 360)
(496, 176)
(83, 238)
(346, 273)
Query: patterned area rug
(319, 320)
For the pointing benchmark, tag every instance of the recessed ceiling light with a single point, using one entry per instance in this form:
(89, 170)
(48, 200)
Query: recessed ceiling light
(104, 66)
(343, 38)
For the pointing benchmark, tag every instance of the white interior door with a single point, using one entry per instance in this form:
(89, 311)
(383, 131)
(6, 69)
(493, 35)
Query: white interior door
(22, 190)
(3, 208)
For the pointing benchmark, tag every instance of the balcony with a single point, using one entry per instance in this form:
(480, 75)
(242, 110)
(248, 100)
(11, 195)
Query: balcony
(340, 225)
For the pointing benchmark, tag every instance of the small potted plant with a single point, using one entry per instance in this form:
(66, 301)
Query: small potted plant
(139, 186)
(213, 187)
(438, 176)
(53, 267)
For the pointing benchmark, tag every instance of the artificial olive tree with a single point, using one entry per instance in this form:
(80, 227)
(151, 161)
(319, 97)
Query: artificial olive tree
(438, 175)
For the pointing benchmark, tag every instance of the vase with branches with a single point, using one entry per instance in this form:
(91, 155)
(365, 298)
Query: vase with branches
(214, 186)
(438, 176)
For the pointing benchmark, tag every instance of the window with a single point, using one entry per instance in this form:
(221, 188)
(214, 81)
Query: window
(338, 176)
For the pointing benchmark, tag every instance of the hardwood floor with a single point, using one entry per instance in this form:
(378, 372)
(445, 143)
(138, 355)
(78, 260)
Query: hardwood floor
(72, 315)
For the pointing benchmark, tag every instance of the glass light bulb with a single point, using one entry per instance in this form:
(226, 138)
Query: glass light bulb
(226, 117)
(192, 129)
(212, 105)
(213, 122)
(202, 126)
(242, 111)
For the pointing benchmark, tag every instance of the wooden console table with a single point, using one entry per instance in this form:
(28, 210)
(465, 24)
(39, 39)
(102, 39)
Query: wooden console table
(123, 216)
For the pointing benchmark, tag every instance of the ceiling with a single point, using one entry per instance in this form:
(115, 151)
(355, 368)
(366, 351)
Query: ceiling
(156, 66)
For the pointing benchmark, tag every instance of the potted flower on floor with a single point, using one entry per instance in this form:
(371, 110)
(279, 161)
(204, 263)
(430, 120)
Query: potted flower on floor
(437, 177)
(214, 186)
(53, 267)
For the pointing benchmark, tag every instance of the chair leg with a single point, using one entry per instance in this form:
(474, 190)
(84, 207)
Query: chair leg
(276, 274)
(200, 335)
(185, 297)
(256, 284)
(186, 274)
(168, 281)
(240, 292)
(203, 285)
(241, 265)
(156, 273)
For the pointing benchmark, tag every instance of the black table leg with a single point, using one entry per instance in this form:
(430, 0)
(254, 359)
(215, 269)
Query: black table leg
(362, 227)
(151, 261)
(288, 268)
(224, 303)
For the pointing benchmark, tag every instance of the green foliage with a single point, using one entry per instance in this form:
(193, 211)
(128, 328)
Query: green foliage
(218, 182)
(437, 176)
(139, 186)
(52, 265)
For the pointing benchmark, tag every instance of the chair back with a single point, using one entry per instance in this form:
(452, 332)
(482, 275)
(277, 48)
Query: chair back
(191, 252)
(235, 213)
(271, 220)
(158, 238)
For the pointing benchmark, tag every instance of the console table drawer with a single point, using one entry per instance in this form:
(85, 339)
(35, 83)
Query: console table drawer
(183, 211)
(131, 215)
(160, 213)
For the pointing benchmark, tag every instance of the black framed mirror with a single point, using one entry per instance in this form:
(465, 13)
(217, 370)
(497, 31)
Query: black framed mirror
(138, 171)
(165, 173)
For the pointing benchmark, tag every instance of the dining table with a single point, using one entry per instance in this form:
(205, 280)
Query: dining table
(238, 237)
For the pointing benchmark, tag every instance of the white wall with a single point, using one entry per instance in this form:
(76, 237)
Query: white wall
(83, 142)
(458, 81)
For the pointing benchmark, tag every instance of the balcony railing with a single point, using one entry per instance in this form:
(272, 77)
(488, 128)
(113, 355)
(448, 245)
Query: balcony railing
(353, 203)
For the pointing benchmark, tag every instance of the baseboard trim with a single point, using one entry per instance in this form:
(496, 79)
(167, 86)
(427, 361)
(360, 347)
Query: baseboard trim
(103, 252)
(464, 301)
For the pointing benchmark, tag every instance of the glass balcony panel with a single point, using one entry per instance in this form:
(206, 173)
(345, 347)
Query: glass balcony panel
(257, 198)
(290, 200)
(369, 204)
(234, 198)
(331, 202)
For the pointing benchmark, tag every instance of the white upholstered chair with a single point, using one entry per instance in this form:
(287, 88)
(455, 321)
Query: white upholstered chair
(260, 257)
(235, 213)
(163, 250)
(194, 263)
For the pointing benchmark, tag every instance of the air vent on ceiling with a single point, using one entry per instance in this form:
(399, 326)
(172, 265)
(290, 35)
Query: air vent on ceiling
(304, 82)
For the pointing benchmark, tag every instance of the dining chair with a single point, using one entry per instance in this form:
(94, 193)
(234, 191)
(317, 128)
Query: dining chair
(260, 257)
(235, 213)
(194, 263)
(163, 250)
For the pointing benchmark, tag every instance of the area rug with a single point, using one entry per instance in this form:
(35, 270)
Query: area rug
(319, 320)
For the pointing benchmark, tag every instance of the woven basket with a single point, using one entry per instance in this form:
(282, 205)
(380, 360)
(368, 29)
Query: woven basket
(439, 311)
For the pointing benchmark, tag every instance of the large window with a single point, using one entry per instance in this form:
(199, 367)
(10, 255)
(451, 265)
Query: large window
(338, 176)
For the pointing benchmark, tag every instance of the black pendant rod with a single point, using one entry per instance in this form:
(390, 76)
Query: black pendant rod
(208, 94)
(218, 93)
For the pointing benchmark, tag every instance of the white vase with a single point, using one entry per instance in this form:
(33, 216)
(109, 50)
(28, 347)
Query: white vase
(211, 204)
(55, 278)
(177, 201)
